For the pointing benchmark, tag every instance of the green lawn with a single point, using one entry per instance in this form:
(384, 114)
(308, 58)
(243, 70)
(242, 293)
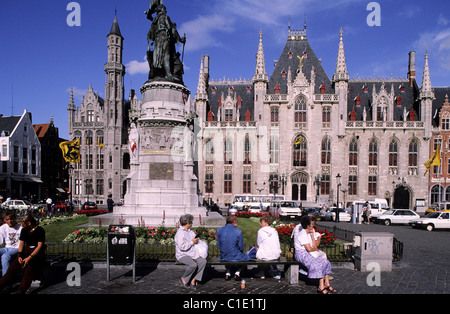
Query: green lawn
(249, 227)
(57, 231)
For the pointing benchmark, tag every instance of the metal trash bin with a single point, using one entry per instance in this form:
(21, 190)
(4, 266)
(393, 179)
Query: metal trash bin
(121, 247)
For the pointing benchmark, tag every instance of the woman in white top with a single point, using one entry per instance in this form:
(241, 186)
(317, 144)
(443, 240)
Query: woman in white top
(318, 268)
(186, 253)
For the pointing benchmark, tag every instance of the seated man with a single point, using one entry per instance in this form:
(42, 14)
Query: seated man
(231, 246)
(268, 246)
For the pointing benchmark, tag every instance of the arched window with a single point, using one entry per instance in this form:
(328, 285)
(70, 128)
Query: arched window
(209, 150)
(393, 153)
(126, 161)
(274, 149)
(413, 153)
(228, 152)
(326, 151)
(89, 139)
(353, 153)
(299, 149)
(436, 194)
(300, 109)
(247, 151)
(373, 153)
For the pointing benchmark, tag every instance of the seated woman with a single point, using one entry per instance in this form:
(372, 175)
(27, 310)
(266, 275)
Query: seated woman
(31, 256)
(318, 268)
(186, 253)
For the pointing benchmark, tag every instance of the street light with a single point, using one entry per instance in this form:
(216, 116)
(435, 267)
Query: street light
(338, 180)
(283, 181)
(261, 188)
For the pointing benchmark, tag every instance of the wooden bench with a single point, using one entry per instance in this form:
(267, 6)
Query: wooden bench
(291, 266)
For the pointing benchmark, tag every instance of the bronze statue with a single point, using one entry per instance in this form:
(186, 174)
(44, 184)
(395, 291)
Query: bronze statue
(164, 60)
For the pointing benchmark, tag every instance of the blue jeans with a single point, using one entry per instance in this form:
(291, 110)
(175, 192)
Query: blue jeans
(6, 255)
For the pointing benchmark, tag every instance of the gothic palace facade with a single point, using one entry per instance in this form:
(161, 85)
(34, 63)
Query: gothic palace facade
(290, 133)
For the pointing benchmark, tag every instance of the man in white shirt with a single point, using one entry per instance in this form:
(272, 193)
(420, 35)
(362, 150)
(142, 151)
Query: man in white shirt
(268, 245)
(9, 235)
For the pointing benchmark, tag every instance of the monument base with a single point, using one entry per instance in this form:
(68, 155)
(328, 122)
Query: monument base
(209, 219)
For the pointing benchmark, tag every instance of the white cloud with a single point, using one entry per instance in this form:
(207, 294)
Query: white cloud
(201, 32)
(136, 67)
(438, 44)
(205, 30)
(78, 93)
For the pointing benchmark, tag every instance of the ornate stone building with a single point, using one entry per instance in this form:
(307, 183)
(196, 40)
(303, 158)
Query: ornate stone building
(102, 125)
(296, 131)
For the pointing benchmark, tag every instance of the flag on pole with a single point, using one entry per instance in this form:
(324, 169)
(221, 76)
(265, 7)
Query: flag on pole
(71, 150)
(299, 140)
(435, 160)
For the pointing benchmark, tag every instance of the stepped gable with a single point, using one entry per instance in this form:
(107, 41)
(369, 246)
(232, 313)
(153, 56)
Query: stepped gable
(364, 89)
(439, 95)
(236, 88)
(296, 46)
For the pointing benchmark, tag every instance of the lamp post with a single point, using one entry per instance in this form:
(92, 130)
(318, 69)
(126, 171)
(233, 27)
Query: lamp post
(261, 188)
(338, 181)
(283, 181)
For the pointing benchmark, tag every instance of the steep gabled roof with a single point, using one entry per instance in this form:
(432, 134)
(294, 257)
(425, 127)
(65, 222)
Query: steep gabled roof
(8, 124)
(295, 48)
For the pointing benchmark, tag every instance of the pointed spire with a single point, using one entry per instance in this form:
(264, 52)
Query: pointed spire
(115, 29)
(341, 64)
(426, 91)
(260, 73)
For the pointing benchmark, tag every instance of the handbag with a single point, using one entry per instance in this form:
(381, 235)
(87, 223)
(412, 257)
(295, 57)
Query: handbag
(202, 249)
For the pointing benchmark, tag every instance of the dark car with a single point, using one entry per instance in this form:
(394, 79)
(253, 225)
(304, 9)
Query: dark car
(311, 211)
(89, 205)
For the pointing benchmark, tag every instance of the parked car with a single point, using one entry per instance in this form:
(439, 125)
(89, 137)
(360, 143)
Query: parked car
(62, 206)
(254, 209)
(285, 209)
(232, 210)
(19, 205)
(330, 215)
(396, 216)
(436, 220)
(444, 207)
(311, 211)
(89, 205)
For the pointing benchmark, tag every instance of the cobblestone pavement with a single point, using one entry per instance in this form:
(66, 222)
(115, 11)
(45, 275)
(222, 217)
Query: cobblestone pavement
(424, 269)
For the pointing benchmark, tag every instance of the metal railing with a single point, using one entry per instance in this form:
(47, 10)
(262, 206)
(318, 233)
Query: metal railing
(348, 236)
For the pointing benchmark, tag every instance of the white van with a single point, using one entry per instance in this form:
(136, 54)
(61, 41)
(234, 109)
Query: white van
(378, 207)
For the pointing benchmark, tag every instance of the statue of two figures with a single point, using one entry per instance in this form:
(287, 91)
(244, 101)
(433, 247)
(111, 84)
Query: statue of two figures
(164, 60)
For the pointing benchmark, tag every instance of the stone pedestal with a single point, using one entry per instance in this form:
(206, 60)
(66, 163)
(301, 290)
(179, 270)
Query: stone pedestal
(162, 185)
(374, 247)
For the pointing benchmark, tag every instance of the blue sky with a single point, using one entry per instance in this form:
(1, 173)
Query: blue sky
(42, 57)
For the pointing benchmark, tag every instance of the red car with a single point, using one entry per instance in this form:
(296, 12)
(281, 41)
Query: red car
(61, 206)
(89, 205)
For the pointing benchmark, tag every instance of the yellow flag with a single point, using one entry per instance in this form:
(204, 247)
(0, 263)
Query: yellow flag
(435, 160)
(71, 150)
(299, 140)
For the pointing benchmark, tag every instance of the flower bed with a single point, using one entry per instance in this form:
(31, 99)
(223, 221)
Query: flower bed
(249, 214)
(90, 212)
(161, 235)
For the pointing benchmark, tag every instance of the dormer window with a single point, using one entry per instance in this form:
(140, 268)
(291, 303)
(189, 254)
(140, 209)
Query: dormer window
(322, 88)
(358, 101)
(399, 100)
(277, 89)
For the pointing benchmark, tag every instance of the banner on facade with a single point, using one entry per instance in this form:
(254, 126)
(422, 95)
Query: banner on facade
(71, 150)
(435, 160)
